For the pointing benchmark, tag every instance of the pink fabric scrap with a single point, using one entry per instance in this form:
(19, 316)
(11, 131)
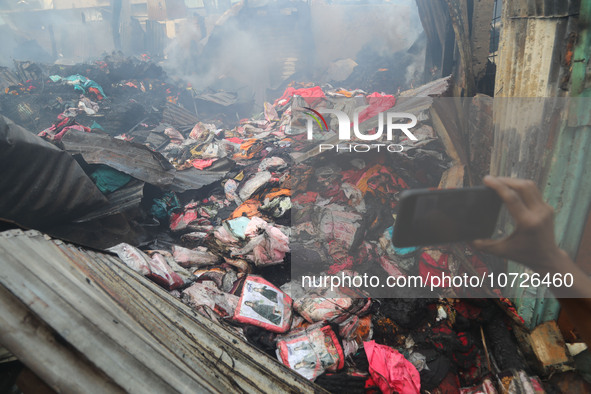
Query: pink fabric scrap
(57, 137)
(391, 371)
(202, 164)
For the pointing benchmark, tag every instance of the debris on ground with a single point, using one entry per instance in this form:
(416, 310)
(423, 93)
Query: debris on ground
(211, 206)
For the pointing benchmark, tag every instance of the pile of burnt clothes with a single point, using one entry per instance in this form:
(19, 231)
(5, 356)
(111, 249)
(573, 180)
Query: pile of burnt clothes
(225, 249)
(107, 96)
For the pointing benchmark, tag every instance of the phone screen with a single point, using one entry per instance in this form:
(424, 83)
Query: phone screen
(428, 217)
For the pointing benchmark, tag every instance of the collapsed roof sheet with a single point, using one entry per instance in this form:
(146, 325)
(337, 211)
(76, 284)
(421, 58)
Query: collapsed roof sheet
(138, 161)
(118, 332)
(133, 159)
(41, 184)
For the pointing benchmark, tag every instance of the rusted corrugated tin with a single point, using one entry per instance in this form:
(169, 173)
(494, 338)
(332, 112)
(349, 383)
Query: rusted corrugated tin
(105, 328)
(541, 8)
(529, 65)
(531, 48)
(192, 178)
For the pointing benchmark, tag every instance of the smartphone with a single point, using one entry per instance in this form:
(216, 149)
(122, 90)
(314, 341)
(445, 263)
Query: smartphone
(430, 217)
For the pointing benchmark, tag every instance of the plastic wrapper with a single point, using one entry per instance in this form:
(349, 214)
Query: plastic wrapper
(133, 258)
(329, 305)
(174, 135)
(338, 224)
(163, 274)
(253, 184)
(206, 294)
(311, 351)
(264, 305)
(356, 328)
(191, 257)
(267, 244)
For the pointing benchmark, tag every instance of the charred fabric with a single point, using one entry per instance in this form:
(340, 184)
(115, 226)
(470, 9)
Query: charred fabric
(204, 209)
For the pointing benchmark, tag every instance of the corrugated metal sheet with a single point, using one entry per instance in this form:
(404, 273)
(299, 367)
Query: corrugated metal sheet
(128, 157)
(176, 115)
(156, 39)
(458, 39)
(569, 186)
(84, 322)
(7, 78)
(41, 184)
(529, 57)
(140, 162)
(529, 66)
(127, 197)
(192, 178)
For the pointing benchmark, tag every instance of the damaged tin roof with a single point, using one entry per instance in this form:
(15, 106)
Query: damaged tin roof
(115, 330)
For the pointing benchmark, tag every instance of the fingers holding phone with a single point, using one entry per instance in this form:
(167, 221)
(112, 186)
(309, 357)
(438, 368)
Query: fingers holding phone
(533, 242)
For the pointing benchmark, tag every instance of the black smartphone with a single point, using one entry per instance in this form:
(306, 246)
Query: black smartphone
(430, 217)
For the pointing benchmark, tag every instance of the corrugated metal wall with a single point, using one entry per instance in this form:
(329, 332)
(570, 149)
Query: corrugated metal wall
(542, 42)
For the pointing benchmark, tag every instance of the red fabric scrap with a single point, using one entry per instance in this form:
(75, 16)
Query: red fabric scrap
(310, 95)
(377, 103)
(49, 132)
(428, 268)
(305, 198)
(467, 310)
(96, 92)
(181, 221)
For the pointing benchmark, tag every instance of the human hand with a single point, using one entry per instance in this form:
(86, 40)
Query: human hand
(532, 243)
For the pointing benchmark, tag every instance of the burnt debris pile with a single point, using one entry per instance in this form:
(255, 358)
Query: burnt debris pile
(207, 209)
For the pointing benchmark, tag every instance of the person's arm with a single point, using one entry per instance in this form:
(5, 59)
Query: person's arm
(533, 244)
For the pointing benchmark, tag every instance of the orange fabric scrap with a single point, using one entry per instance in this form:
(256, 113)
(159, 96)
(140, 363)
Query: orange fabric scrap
(277, 193)
(248, 208)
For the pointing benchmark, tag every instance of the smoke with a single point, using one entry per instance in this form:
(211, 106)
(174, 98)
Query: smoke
(240, 53)
(75, 35)
(235, 56)
(249, 50)
(416, 59)
(341, 30)
(7, 47)
(400, 27)
(229, 53)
